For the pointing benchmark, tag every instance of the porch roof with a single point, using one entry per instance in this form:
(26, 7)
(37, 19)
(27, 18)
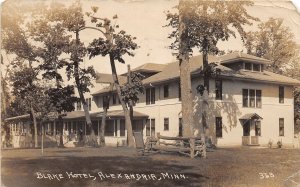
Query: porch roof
(16, 118)
(110, 114)
(250, 116)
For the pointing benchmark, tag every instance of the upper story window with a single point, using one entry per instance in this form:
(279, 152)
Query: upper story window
(281, 94)
(252, 98)
(105, 102)
(150, 96)
(166, 91)
(218, 85)
(89, 103)
(78, 105)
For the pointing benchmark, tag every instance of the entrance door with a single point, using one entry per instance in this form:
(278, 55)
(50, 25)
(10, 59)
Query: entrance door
(246, 128)
(251, 132)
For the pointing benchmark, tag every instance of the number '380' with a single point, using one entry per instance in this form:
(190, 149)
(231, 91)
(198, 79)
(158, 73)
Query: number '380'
(266, 175)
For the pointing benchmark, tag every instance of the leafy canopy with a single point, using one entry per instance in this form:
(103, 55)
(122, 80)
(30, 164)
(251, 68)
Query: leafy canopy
(208, 22)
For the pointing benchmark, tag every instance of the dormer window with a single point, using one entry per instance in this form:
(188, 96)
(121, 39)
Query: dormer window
(248, 66)
(256, 67)
(253, 67)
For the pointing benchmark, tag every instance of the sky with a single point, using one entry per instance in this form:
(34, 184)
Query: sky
(145, 19)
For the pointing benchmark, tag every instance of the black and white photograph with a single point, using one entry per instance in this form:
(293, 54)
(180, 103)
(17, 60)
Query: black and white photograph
(150, 93)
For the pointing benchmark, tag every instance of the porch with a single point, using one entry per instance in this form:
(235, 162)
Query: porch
(251, 123)
(74, 129)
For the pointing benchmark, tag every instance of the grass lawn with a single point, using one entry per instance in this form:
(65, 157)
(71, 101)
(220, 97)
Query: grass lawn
(241, 166)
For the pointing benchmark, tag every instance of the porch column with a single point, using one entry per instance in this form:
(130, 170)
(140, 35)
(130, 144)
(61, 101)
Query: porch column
(118, 128)
(252, 128)
(54, 128)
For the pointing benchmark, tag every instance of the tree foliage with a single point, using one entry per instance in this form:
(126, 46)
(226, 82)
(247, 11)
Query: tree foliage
(132, 88)
(209, 22)
(272, 41)
(114, 44)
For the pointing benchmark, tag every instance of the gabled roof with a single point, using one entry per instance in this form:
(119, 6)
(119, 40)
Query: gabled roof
(171, 70)
(107, 78)
(250, 116)
(239, 56)
(150, 67)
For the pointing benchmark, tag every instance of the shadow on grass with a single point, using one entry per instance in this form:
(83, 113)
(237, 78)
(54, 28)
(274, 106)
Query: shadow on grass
(22, 171)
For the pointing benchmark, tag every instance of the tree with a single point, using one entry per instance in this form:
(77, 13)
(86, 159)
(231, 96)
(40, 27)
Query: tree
(272, 41)
(72, 19)
(27, 90)
(15, 41)
(276, 42)
(115, 45)
(53, 42)
(202, 24)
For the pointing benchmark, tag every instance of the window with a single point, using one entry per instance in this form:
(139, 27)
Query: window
(150, 96)
(78, 105)
(252, 98)
(256, 67)
(281, 126)
(122, 127)
(105, 102)
(109, 128)
(218, 85)
(258, 98)
(248, 66)
(219, 127)
(166, 124)
(180, 127)
(281, 94)
(245, 98)
(166, 91)
(153, 127)
(114, 98)
(89, 103)
(257, 128)
(150, 127)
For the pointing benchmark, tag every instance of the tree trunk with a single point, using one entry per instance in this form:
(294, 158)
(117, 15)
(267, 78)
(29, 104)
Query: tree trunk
(206, 86)
(185, 77)
(128, 123)
(102, 129)
(93, 139)
(35, 127)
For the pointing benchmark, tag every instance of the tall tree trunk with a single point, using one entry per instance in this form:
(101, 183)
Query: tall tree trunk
(206, 86)
(185, 76)
(93, 139)
(128, 123)
(102, 128)
(35, 126)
